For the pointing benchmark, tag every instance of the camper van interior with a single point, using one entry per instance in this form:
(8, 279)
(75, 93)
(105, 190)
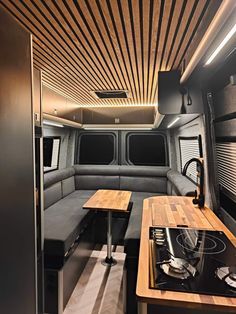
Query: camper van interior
(118, 156)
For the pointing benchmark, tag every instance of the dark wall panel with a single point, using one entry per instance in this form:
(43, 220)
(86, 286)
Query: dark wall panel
(126, 115)
(17, 222)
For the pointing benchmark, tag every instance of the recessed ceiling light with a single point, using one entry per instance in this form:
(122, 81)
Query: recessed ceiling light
(222, 44)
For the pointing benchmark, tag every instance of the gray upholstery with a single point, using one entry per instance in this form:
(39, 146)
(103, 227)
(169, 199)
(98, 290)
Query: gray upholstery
(181, 185)
(142, 184)
(84, 194)
(68, 186)
(90, 177)
(144, 178)
(52, 194)
(94, 182)
(64, 221)
(143, 171)
(58, 175)
(132, 235)
(96, 170)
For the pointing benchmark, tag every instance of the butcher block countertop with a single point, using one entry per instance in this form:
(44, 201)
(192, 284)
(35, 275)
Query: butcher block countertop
(177, 211)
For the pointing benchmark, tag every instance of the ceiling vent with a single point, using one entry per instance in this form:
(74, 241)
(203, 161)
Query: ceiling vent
(110, 94)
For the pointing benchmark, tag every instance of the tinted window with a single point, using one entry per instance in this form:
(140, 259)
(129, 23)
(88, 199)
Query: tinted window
(51, 147)
(96, 149)
(147, 149)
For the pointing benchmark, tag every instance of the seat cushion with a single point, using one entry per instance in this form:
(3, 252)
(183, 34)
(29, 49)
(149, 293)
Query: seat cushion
(63, 223)
(84, 194)
(132, 235)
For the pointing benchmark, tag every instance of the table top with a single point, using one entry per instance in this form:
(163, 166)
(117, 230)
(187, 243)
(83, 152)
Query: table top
(109, 200)
(171, 211)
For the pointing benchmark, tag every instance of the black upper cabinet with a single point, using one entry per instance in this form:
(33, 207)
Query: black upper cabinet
(169, 96)
(174, 98)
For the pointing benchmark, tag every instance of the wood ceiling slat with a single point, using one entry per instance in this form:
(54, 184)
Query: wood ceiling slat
(62, 67)
(55, 73)
(115, 27)
(76, 45)
(147, 9)
(153, 46)
(187, 12)
(176, 21)
(48, 65)
(97, 23)
(93, 36)
(127, 30)
(60, 42)
(90, 49)
(54, 80)
(137, 33)
(46, 43)
(167, 32)
(114, 41)
(164, 24)
(189, 31)
(189, 37)
(85, 45)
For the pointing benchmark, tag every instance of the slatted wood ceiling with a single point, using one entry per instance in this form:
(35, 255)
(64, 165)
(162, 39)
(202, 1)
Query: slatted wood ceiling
(90, 45)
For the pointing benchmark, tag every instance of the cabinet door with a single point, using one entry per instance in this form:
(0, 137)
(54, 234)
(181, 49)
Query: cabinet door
(17, 205)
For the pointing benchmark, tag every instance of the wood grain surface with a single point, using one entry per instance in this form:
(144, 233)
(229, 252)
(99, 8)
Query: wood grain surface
(104, 200)
(177, 212)
(87, 45)
(152, 212)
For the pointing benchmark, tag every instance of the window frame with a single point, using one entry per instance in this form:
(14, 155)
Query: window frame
(197, 137)
(127, 151)
(58, 155)
(81, 134)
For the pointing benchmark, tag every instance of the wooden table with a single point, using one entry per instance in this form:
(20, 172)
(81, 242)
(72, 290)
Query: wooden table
(176, 211)
(109, 200)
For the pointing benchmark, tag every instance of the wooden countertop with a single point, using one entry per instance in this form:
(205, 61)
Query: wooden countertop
(173, 211)
(105, 200)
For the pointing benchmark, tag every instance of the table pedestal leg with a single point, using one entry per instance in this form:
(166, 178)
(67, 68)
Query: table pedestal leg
(109, 260)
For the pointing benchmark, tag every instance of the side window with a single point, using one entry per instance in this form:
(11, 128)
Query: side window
(226, 166)
(190, 147)
(96, 149)
(51, 148)
(146, 149)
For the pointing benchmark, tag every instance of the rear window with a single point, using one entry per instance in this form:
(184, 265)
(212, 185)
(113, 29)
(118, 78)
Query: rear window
(96, 149)
(146, 149)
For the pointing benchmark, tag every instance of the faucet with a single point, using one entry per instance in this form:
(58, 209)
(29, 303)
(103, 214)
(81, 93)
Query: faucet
(201, 198)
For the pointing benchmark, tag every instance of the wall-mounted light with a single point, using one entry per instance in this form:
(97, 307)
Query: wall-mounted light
(173, 122)
(222, 44)
(51, 123)
(123, 127)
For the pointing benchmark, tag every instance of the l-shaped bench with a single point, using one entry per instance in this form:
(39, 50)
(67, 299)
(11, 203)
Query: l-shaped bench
(69, 229)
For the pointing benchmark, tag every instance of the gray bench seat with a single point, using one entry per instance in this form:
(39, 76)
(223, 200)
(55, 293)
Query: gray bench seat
(132, 235)
(64, 221)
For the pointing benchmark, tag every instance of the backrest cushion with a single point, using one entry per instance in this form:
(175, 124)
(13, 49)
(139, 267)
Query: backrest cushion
(68, 186)
(180, 185)
(90, 177)
(142, 184)
(144, 179)
(52, 194)
(58, 175)
(58, 184)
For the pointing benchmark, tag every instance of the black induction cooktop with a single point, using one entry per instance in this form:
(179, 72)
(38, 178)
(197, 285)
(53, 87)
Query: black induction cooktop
(190, 260)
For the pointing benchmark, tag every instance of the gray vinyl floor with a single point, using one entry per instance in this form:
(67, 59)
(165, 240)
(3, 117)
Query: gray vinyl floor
(99, 289)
